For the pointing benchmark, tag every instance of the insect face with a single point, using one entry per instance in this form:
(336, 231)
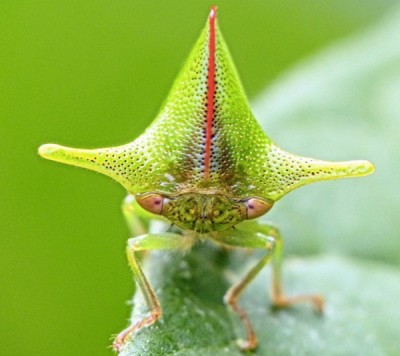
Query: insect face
(204, 213)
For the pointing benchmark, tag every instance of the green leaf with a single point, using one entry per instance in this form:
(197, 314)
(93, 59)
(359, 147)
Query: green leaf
(341, 104)
(361, 315)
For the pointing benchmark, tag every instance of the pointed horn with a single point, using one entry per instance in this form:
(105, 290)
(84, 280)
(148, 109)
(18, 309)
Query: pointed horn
(292, 171)
(323, 170)
(84, 158)
(120, 163)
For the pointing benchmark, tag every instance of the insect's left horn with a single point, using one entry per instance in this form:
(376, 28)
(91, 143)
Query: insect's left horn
(295, 171)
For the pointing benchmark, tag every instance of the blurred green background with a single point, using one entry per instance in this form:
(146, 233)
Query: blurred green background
(92, 74)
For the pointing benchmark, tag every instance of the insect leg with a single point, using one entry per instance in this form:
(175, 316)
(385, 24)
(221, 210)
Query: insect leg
(146, 242)
(279, 299)
(254, 241)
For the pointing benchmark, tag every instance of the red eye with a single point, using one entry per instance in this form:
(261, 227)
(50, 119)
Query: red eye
(151, 202)
(256, 207)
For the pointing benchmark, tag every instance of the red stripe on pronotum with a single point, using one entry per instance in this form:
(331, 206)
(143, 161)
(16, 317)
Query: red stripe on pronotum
(210, 91)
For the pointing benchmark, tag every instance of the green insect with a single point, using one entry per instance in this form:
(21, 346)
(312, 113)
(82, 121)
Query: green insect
(206, 166)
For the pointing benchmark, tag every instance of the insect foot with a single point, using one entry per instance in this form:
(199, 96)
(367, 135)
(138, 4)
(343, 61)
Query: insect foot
(125, 334)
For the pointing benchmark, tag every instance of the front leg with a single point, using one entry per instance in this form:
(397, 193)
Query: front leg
(146, 242)
(279, 298)
(253, 235)
(253, 240)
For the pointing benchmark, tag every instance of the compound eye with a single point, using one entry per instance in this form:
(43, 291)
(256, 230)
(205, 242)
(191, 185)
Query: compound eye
(255, 207)
(151, 202)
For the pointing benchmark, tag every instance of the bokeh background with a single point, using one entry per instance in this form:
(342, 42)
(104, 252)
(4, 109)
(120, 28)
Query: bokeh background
(93, 74)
